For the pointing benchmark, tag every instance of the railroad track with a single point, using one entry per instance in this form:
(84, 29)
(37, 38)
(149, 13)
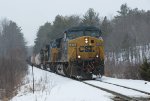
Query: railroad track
(118, 96)
(125, 87)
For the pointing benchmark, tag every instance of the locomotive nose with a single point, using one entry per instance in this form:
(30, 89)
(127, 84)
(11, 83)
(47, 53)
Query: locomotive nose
(86, 49)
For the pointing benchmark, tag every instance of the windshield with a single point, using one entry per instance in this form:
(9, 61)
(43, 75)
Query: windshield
(76, 34)
(93, 33)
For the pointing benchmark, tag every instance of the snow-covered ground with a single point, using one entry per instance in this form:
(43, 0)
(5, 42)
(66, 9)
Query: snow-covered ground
(52, 87)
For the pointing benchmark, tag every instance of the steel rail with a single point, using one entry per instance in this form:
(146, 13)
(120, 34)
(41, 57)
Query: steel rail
(118, 95)
(125, 87)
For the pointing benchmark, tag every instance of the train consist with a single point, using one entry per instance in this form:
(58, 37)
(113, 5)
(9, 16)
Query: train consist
(79, 53)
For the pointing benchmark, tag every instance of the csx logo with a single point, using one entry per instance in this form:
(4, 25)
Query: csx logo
(86, 49)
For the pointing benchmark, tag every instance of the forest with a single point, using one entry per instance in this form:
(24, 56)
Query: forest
(13, 53)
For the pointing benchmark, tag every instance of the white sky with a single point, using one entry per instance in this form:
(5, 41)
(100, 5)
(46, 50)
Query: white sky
(30, 14)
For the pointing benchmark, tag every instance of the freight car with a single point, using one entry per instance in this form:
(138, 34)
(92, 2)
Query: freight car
(79, 53)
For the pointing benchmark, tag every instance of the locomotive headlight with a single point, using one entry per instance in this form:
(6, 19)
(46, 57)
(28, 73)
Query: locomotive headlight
(86, 41)
(97, 56)
(79, 56)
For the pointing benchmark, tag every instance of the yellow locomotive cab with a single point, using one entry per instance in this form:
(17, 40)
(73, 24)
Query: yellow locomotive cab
(85, 52)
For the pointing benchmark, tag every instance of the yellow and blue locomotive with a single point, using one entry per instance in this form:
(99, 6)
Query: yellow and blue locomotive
(79, 53)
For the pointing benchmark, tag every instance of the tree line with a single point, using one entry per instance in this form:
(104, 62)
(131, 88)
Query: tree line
(123, 36)
(50, 31)
(127, 42)
(12, 56)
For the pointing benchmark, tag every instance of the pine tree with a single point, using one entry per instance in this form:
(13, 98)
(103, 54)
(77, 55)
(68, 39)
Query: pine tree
(145, 70)
(124, 10)
(91, 18)
(43, 36)
(105, 27)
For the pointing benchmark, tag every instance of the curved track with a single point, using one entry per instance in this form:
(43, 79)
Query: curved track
(118, 96)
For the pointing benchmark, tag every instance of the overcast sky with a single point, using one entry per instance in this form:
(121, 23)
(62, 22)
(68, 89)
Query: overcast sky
(30, 14)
